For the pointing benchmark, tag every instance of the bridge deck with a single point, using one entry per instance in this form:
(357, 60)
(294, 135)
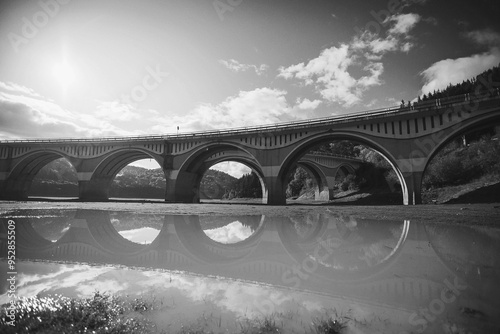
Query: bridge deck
(293, 125)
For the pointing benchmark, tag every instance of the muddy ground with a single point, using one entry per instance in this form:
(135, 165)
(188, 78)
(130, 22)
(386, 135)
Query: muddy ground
(470, 214)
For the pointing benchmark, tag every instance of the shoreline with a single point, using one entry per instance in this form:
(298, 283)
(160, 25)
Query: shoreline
(477, 214)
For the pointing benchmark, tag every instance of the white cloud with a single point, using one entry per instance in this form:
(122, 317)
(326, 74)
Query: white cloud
(451, 71)
(25, 114)
(396, 39)
(249, 108)
(229, 234)
(486, 37)
(117, 111)
(330, 72)
(307, 104)
(371, 103)
(232, 168)
(143, 235)
(12, 87)
(404, 23)
(383, 45)
(236, 66)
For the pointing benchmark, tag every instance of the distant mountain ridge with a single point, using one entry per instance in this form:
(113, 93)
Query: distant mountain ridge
(58, 179)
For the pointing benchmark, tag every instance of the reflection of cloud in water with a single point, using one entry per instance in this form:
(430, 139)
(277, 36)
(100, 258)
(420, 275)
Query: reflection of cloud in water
(81, 281)
(230, 234)
(60, 279)
(184, 298)
(144, 235)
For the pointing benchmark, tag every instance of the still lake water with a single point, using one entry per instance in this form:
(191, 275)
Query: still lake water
(213, 271)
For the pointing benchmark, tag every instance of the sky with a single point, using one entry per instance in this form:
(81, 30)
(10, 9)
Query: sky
(230, 233)
(74, 68)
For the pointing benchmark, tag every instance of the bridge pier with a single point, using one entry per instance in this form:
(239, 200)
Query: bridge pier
(413, 182)
(15, 189)
(94, 190)
(327, 193)
(182, 187)
(275, 186)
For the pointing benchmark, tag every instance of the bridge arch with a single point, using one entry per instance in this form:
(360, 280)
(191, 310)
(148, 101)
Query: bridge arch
(346, 169)
(19, 181)
(430, 147)
(245, 161)
(322, 191)
(296, 153)
(97, 187)
(474, 124)
(185, 186)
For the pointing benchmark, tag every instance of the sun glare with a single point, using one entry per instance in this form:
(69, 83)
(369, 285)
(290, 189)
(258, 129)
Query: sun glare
(64, 73)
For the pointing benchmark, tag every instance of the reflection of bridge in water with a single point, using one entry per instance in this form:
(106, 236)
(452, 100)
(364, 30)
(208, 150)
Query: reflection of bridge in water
(397, 264)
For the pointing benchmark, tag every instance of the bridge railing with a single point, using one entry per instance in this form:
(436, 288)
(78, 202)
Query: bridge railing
(333, 155)
(338, 119)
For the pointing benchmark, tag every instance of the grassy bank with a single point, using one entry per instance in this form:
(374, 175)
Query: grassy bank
(485, 189)
(103, 314)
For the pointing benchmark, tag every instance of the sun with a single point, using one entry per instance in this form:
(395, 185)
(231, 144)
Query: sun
(64, 73)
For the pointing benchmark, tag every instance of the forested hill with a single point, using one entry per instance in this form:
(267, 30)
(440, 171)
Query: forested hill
(133, 181)
(58, 179)
(484, 83)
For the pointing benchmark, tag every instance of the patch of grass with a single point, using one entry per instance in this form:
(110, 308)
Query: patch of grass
(98, 314)
(328, 326)
(105, 314)
(266, 325)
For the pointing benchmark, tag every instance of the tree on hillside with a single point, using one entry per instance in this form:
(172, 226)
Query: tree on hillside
(487, 82)
(299, 182)
(215, 184)
(342, 147)
(247, 186)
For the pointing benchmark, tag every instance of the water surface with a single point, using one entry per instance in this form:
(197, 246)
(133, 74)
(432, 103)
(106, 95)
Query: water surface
(379, 276)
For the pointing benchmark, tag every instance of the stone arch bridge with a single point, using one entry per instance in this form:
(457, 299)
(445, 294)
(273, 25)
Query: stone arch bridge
(407, 137)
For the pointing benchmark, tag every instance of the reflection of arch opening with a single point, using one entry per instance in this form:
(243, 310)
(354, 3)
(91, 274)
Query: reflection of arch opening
(106, 171)
(20, 179)
(202, 247)
(463, 249)
(192, 170)
(232, 231)
(105, 234)
(472, 127)
(137, 228)
(27, 237)
(330, 248)
(312, 142)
